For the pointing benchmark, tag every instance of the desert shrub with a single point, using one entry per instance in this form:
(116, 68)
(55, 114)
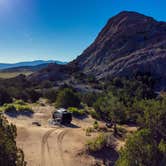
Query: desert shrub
(96, 125)
(89, 130)
(109, 108)
(147, 146)
(88, 98)
(4, 96)
(23, 108)
(121, 131)
(46, 84)
(10, 155)
(140, 149)
(9, 108)
(67, 98)
(94, 114)
(16, 109)
(19, 102)
(33, 95)
(96, 144)
(76, 112)
(50, 94)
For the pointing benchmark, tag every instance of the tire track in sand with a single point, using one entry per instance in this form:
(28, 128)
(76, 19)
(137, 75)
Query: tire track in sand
(44, 142)
(60, 138)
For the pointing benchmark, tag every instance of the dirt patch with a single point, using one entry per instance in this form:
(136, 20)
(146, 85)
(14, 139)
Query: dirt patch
(22, 134)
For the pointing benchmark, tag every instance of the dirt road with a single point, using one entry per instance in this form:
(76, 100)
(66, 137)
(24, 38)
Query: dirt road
(49, 150)
(52, 146)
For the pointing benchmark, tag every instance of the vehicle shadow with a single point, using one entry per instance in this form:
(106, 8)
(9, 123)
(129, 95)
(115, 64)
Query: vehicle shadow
(71, 125)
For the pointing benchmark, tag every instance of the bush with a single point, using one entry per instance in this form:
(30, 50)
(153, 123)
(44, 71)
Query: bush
(50, 94)
(76, 112)
(10, 155)
(67, 98)
(33, 95)
(89, 98)
(96, 125)
(24, 108)
(140, 149)
(46, 84)
(94, 114)
(17, 109)
(97, 144)
(19, 102)
(89, 130)
(122, 132)
(9, 108)
(4, 97)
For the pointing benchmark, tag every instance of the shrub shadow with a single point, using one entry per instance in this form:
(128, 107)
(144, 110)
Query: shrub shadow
(80, 117)
(108, 155)
(15, 114)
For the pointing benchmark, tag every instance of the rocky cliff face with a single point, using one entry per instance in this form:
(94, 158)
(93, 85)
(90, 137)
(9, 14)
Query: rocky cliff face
(129, 42)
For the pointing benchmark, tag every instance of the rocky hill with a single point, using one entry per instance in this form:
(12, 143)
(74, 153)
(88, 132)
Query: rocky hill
(130, 42)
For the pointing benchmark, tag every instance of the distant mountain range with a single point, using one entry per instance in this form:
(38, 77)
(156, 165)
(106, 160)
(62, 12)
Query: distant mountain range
(29, 64)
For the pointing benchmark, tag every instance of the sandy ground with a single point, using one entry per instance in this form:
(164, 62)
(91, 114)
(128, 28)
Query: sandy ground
(53, 145)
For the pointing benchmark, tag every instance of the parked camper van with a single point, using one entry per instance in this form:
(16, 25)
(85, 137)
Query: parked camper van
(62, 116)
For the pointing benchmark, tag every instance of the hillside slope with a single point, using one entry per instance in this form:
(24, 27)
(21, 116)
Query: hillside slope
(129, 43)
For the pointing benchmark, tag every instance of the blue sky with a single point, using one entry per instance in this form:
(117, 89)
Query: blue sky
(60, 29)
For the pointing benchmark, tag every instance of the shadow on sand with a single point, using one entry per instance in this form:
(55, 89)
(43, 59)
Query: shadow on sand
(71, 125)
(80, 117)
(108, 155)
(15, 114)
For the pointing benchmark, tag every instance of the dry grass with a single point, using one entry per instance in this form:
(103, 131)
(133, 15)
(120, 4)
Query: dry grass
(6, 75)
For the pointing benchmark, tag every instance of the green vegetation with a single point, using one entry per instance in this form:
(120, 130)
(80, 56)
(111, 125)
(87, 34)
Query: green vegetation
(17, 108)
(147, 146)
(96, 125)
(89, 130)
(18, 88)
(134, 102)
(89, 98)
(93, 113)
(50, 94)
(96, 144)
(67, 98)
(140, 149)
(110, 108)
(76, 112)
(121, 101)
(4, 97)
(10, 155)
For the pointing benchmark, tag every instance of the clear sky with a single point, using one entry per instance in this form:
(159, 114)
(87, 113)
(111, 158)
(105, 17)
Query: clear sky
(60, 29)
